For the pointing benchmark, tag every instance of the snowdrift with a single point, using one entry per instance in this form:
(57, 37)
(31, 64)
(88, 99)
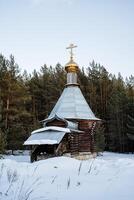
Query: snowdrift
(109, 177)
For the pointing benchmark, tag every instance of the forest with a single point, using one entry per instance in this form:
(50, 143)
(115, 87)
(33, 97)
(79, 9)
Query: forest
(26, 99)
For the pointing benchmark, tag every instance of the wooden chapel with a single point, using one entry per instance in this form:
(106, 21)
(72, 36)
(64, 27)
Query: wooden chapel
(70, 126)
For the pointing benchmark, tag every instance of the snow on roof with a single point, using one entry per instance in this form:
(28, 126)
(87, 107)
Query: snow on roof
(70, 124)
(72, 105)
(46, 137)
(54, 128)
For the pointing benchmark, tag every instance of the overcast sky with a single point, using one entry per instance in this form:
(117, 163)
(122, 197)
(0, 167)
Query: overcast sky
(38, 31)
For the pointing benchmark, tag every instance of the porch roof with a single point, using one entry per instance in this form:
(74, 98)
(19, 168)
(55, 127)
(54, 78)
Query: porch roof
(45, 137)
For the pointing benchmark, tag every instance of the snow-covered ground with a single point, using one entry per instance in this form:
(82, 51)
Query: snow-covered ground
(108, 177)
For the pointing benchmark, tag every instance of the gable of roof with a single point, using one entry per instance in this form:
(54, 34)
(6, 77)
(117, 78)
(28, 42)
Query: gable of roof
(68, 124)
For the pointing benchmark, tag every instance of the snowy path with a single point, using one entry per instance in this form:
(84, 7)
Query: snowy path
(109, 177)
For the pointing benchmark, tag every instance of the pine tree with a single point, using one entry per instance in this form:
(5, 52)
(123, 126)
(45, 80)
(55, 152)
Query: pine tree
(2, 142)
(130, 113)
(130, 127)
(15, 116)
(99, 138)
(2, 135)
(117, 117)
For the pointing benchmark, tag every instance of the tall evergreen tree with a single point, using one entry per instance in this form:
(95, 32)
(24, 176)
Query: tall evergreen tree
(130, 113)
(117, 116)
(99, 138)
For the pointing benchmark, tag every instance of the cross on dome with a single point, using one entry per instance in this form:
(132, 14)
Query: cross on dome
(71, 67)
(71, 47)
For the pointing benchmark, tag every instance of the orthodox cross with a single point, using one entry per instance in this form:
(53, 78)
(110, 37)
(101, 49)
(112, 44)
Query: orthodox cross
(71, 47)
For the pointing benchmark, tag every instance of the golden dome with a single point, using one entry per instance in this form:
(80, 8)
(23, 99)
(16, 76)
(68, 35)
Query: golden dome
(71, 66)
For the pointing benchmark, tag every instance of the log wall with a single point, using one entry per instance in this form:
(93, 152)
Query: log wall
(86, 142)
(77, 142)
